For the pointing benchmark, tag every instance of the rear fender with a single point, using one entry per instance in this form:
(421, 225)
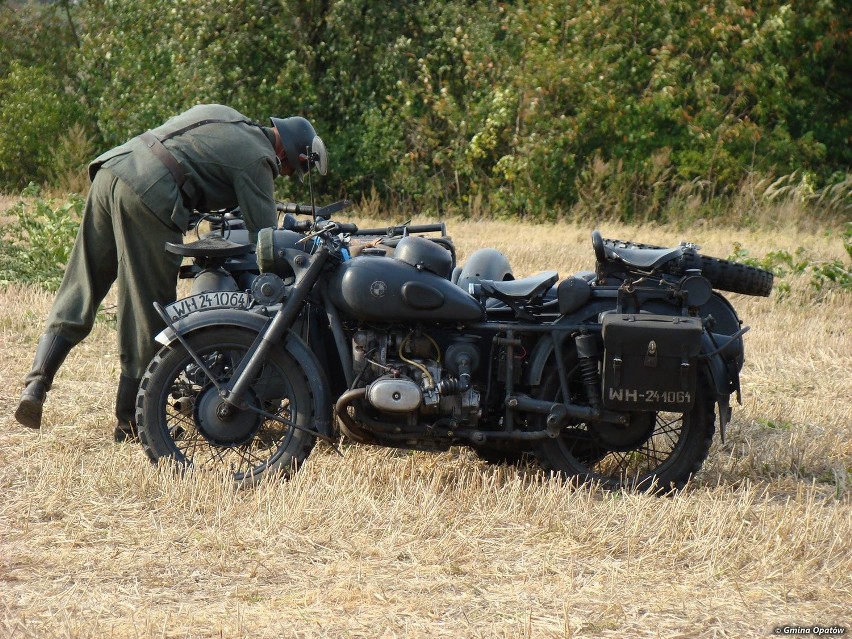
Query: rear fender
(722, 357)
(255, 323)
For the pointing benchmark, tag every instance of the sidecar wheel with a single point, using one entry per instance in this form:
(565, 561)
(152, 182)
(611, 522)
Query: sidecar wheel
(182, 418)
(660, 454)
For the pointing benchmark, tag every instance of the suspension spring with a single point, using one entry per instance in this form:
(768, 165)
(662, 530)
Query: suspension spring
(587, 354)
(591, 380)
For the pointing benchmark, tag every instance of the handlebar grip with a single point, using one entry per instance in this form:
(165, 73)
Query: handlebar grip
(290, 223)
(347, 227)
(292, 207)
(428, 228)
(302, 226)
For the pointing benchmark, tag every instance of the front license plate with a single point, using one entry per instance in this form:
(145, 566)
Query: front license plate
(206, 301)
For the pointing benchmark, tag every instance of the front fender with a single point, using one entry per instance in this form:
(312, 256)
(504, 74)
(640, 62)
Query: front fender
(256, 322)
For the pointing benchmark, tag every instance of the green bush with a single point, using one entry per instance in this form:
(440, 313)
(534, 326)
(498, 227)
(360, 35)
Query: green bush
(39, 97)
(36, 112)
(825, 276)
(621, 109)
(37, 243)
(136, 70)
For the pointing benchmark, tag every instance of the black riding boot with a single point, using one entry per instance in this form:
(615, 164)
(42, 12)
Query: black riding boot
(50, 353)
(125, 409)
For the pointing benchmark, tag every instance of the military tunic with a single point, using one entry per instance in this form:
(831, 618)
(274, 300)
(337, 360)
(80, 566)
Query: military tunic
(134, 207)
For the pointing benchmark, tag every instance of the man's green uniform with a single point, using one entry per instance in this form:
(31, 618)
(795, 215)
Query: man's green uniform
(134, 207)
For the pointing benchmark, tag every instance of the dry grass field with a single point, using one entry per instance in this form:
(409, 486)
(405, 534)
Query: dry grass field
(96, 542)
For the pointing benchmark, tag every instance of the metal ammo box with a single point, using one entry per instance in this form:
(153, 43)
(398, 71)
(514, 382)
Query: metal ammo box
(650, 361)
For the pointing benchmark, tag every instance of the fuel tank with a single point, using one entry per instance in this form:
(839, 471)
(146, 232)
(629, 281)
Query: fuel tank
(374, 288)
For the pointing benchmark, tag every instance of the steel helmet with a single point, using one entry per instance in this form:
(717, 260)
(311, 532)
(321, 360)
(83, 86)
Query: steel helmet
(297, 138)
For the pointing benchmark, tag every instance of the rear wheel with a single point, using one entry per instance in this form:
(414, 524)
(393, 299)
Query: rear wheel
(181, 416)
(658, 451)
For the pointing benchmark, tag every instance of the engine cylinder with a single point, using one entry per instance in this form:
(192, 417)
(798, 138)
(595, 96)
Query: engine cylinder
(395, 394)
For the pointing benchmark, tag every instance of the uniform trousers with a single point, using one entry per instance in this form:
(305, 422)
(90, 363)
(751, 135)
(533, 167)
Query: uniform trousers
(120, 239)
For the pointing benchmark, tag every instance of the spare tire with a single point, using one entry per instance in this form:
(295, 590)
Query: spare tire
(732, 276)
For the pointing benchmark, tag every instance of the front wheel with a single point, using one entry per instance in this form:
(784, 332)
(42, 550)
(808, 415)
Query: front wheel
(181, 416)
(657, 452)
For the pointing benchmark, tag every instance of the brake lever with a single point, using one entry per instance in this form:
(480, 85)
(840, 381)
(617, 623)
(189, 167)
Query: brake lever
(328, 226)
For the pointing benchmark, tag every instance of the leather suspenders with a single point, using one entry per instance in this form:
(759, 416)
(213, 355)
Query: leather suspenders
(156, 145)
(164, 155)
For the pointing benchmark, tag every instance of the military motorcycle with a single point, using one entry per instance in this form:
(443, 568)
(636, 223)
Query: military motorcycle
(614, 376)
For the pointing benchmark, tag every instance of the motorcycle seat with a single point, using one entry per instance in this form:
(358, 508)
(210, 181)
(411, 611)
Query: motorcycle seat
(643, 258)
(523, 290)
(212, 246)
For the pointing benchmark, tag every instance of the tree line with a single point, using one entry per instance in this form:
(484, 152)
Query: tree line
(464, 107)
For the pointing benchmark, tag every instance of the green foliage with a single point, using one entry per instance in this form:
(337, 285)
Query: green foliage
(621, 109)
(779, 425)
(824, 276)
(39, 101)
(37, 244)
(35, 112)
(706, 84)
(35, 35)
(142, 61)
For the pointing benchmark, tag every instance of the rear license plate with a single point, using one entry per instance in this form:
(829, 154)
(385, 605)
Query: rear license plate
(207, 301)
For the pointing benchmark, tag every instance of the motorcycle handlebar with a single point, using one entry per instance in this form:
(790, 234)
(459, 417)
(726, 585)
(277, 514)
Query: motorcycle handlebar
(304, 226)
(392, 231)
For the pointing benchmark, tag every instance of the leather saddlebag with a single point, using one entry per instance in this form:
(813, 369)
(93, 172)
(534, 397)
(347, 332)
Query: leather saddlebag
(650, 362)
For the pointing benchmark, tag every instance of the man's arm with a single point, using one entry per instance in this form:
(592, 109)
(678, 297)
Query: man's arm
(255, 191)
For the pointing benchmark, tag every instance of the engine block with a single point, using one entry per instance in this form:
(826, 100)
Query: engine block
(403, 375)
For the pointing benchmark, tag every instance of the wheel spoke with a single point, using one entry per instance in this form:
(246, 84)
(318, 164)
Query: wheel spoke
(636, 464)
(247, 455)
(652, 452)
(189, 427)
(191, 443)
(242, 458)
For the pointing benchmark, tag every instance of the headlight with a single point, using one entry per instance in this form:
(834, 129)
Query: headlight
(271, 244)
